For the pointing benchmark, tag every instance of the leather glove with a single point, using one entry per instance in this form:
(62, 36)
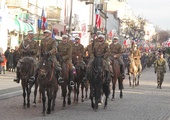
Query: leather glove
(155, 71)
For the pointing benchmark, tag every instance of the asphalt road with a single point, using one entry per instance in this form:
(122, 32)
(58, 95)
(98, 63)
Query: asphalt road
(144, 102)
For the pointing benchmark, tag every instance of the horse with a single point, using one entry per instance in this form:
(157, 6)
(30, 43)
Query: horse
(116, 76)
(80, 73)
(96, 76)
(26, 71)
(47, 82)
(65, 86)
(135, 71)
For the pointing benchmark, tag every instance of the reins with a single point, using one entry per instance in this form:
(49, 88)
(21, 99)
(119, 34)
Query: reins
(52, 72)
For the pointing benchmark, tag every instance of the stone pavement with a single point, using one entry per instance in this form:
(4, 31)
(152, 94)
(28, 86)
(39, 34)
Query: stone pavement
(8, 88)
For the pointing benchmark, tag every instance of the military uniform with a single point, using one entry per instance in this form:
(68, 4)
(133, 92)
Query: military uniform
(88, 52)
(160, 69)
(116, 49)
(65, 50)
(136, 55)
(28, 48)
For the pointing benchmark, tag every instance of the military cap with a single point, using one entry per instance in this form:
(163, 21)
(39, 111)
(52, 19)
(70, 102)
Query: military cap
(47, 31)
(64, 36)
(135, 45)
(115, 38)
(101, 36)
(77, 38)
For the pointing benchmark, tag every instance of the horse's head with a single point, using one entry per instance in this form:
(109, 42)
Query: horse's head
(98, 66)
(27, 68)
(45, 67)
(76, 59)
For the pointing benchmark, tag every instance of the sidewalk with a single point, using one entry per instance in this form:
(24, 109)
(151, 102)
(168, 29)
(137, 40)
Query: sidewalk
(8, 88)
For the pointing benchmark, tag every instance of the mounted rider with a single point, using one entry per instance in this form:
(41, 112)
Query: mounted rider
(78, 50)
(48, 47)
(101, 49)
(28, 48)
(135, 52)
(65, 51)
(116, 52)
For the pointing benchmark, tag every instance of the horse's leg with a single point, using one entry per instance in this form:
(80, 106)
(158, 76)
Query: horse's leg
(82, 91)
(91, 96)
(75, 86)
(106, 91)
(28, 94)
(64, 92)
(43, 100)
(40, 96)
(86, 89)
(113, 88)
(54, 97)
(69, 95)
(78, 86)
(129, 79)
(120, 81)
(35, 93)
(49, 95)
(24, 95)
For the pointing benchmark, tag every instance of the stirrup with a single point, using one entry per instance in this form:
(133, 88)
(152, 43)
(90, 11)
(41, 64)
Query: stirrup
(32, 79)
(60, 80)
(84, 79)
(71, 83)
(123, 76)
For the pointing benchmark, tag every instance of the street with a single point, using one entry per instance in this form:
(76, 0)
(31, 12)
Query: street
(144, 102)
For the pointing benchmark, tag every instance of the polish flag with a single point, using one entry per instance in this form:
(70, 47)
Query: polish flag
(43, 20)
(98, 19)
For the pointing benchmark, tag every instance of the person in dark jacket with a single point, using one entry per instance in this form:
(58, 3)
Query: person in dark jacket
(7, 57)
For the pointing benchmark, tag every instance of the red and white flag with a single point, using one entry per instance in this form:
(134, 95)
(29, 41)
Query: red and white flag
(98, 19)
(43, 20)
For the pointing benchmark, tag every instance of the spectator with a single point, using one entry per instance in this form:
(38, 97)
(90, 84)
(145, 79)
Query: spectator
(3, 65)
(7, 57)
(11, 60)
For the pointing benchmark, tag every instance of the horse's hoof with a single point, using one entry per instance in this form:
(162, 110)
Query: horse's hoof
(69, 102)
(104, 107)
(82, 100)
(96, 110)
(112, 99)
(121, 96)
(48, 112)
(28, 105)
(34, 104)
(43, 113)
(99, 103)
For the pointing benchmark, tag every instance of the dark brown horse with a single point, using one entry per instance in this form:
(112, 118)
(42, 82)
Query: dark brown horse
(116, 76)
(80, 73)
(96, 76)
(65, 87)
(47, 82)
(27, 70)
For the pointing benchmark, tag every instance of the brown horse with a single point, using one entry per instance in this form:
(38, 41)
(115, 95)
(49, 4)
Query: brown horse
(116, 76)
(135, 71)
(26, 71)
(47, 82)
(80, 73)
(65, 87)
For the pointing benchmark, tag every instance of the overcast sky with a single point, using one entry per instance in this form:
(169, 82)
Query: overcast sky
(155, 11)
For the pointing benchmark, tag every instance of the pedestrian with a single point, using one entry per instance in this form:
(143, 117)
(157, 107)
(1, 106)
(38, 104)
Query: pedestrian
(3, 64)
(7, 57)
(11, 60)
(160, 69)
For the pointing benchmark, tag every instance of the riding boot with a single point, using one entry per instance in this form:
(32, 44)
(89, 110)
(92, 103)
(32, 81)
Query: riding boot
(17, 80)
(71, 78)
(107, 77)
